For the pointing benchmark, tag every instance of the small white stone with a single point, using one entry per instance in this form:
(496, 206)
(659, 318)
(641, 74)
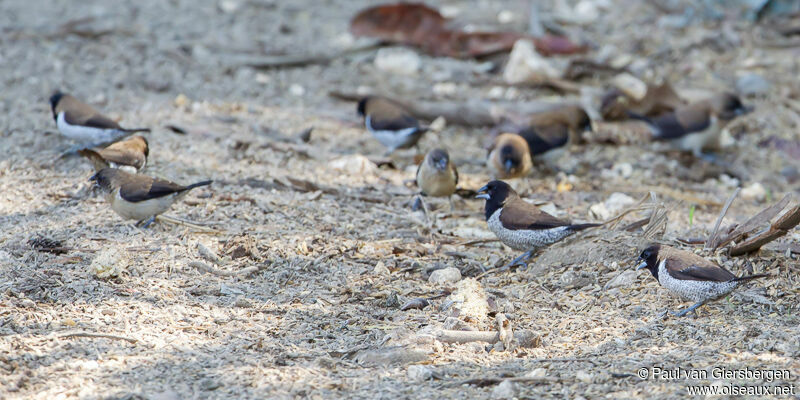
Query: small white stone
(505, 17)
(630, 85)
(419, 373)
(583, 376)
(381, 269)
(624, 279)
(525, 65)
(537, 373)
(496, 92)
(754, 191)
(445, 88)
(445, 276)
(398, 60)
(505, 390)
(296, 90)
(263, 78)
(355, 164)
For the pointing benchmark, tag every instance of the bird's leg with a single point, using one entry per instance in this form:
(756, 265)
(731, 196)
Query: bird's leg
(521, 260)
(419, 203)
(688, 310)
(146, 222)
(452, 205)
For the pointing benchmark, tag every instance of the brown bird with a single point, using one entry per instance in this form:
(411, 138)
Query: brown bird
(140, 197)
(521, 225)
(390, 123)
(549, 132)
(436, 175)
(80, 122)
(689, 275)
(509, 157)
(129, 155)
(696, 126)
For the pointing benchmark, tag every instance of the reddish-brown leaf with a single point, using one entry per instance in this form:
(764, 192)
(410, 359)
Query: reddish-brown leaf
(419, 25)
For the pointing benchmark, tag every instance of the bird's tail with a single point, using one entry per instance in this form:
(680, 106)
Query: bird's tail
(580, 227)
(198, 184)
(134, 130)
(97, 160)
(749, 277)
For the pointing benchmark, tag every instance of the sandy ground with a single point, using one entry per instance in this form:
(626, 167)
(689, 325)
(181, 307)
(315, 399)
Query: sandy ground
(338, 250)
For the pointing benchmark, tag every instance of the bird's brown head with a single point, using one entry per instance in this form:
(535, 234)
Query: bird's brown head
(510, 156)
(649, 259)
(496, 193)
(728, 106)
(54, 100)
(438, 158)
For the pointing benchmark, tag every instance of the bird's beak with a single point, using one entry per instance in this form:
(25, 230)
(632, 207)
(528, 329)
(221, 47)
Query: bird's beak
(643, 264)
(744, 110)
(588, 127)
(93, 178)
(483, 193)
(509, 165)
(441, 165)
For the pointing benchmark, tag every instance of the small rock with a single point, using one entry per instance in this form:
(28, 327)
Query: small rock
(613, 205)
(445, 89)
(296, 90)
(625, 279)
(437, 125)
(752, 84)
(381, 269)
(397, 60)
(537, 373)
(505, 17)
(241, 302)
(419, 373)
(525, 65)
(445, 276)
(505, 390)
(355, 164)
(583, 376)
(630, 85)
(754, 191)
(791, 173)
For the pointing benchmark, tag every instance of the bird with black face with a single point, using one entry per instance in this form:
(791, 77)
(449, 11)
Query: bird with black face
(140, 197)
(509, 157)
(696, 126)
(521, 225)
(549, 132)
(390, 123)
(82, 123)
(688, 275)
(129, 155)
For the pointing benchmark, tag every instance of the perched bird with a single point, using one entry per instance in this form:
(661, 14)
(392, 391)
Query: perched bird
(509, 157)
(549, 132)
(129, 155)
(139, 197)
(80, 122)
(689, 275)
(696, 126)
(388, 122)
(521, 225)
(436, 175)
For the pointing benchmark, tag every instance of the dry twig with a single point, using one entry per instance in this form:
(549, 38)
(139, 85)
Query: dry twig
(710, 243)
(98, 335)
(240, 273)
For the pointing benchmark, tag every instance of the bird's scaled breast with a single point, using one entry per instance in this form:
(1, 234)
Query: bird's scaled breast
(693, 290)
(142, 209)
(526, 239)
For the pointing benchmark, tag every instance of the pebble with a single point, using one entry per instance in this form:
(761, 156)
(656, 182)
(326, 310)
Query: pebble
(630, 85)
(525, 65)
(624, 279)
(752, 84)
(419, 373)
(381, 269)
(613, 205)
(754, 191)
(505, 390)
(445, 276)
(537, 373)
(398, 60)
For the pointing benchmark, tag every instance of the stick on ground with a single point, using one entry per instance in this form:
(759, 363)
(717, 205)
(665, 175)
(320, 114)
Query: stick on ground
(98, 335)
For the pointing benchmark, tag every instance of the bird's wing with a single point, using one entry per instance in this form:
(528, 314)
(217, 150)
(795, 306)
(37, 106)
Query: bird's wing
(681, 123)
(696, 269)
(519, 214)
(544, 138)
(397, 123)
(145, 189)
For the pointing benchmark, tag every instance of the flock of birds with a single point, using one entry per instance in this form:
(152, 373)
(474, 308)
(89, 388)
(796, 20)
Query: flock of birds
(118, 159)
